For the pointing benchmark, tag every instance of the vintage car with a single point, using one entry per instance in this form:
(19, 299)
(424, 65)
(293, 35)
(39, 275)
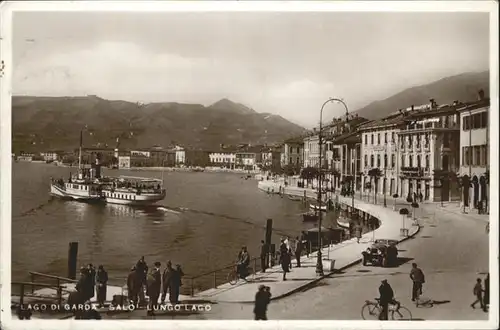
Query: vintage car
(382, 252)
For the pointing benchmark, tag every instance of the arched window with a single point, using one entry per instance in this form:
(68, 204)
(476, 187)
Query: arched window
(378, 138)
(372, 160)
(418, 161)
(402, 160)
(393, 161)
(411, 161)
(427, 162)
(366, 139)
(371, 139)
(385, 160)
(378, 161)
(366, 160)
(385, 137)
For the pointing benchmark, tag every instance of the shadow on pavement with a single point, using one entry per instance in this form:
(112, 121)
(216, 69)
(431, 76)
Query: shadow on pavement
(265, 281)
(426, 236)
(400, 261)
(314, 285)
(363, 270)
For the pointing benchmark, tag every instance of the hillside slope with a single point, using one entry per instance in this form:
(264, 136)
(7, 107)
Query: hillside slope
(462, 87)
(42, 123)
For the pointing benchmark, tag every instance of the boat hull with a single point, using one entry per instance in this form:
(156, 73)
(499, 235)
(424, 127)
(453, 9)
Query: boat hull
(316, 208)
(63, 194)
(136, 202)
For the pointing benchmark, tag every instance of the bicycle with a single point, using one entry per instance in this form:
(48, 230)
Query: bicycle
(233, 277)
(371, 310)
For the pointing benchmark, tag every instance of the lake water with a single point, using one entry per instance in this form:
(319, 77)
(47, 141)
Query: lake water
(220, 212)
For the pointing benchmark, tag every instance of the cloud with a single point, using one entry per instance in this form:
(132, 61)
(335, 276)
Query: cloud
(283, 63)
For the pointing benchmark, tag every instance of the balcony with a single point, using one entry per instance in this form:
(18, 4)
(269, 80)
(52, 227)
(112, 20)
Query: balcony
(413, 172)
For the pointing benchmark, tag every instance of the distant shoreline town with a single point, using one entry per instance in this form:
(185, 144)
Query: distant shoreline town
(432, 150)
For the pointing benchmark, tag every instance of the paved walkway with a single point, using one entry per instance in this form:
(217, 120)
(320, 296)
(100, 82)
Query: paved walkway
(344, 254)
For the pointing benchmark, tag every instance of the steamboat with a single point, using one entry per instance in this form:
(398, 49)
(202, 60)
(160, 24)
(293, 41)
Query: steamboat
(88, 185)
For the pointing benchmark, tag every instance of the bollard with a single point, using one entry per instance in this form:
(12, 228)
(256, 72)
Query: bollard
(21, 296)
(32, 281)
(72, 259)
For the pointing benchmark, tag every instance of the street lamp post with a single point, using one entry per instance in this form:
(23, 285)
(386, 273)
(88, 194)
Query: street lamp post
(386, 161)
(319, 262)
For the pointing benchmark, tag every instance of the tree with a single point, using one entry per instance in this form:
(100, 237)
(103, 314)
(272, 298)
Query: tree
(309, 173)
(289, 170)
(375, 174)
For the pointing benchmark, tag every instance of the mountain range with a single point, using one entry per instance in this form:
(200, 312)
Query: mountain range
(463, 87)
(47, 123)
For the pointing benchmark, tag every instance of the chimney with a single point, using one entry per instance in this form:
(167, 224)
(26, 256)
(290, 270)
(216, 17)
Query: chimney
(480, 95)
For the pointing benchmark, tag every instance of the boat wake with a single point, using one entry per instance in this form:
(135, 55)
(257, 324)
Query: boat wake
(37, 208)
(178, 210)
(167, 210)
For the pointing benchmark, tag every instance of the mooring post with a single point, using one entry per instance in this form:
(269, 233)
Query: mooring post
(72, 259)
(269, 232)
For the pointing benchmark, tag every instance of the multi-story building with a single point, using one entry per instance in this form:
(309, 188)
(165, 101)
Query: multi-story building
(474, 155)
(345, 155)
(271, 157)
(50, 156)
(330, 131)
(222, 158)
(197, 158)
(429, 151)
(293, 152)
(378, 149)
(248, 158)
(124, 161)
(180, 156)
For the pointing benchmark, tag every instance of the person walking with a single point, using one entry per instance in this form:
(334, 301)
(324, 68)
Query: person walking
(478, 293)
(285, 262)
(263, 256)
(166, 279)
(298, 251)
(262, 299)
(358, 233)
(154, 286)
(386, 297)
(418, 278)
(486, 298)
(101, 285)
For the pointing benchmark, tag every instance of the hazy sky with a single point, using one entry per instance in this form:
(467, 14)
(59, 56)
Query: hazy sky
(284, 63)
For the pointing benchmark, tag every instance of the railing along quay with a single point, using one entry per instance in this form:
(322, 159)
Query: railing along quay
(59, 280)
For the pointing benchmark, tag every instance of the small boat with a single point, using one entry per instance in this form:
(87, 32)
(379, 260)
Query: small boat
(310, 217)
(316, 207)
(294, 198)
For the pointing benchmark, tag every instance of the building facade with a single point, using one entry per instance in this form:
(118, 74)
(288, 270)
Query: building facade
(124, 162)
(474, 154)
(378, 149)
(293, 152)
(429, 153)
(224, 159)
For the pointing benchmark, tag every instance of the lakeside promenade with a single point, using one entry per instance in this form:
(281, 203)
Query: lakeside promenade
(341, 256)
